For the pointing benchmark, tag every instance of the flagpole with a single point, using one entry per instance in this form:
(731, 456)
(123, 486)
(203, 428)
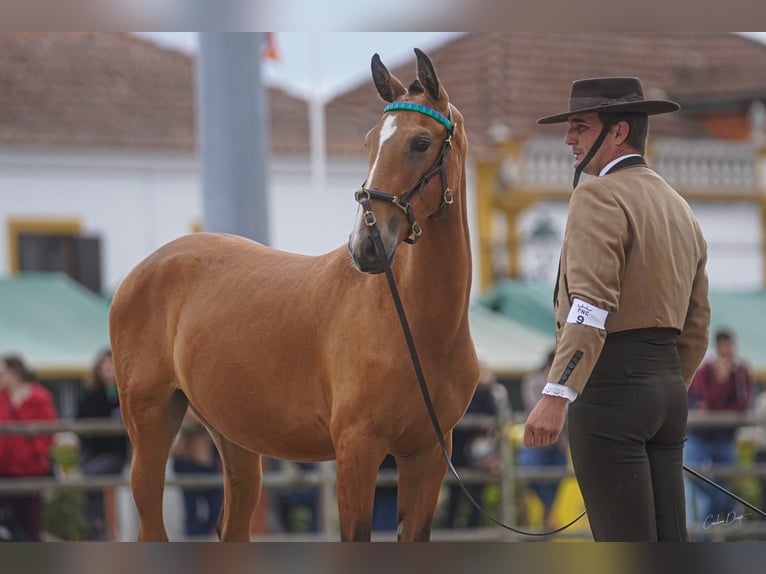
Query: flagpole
(318, 156)
(232, 119)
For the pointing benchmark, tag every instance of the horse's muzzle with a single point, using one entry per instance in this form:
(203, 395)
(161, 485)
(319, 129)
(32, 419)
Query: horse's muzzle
(365, 257)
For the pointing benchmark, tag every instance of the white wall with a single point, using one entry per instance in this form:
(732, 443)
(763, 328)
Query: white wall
(133, 202)
(306, 218)
(138, 202)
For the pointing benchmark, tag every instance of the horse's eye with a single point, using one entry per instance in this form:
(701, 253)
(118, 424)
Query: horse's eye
(420, 144)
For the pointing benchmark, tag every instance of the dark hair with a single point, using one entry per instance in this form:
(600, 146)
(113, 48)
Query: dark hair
(723, 336)
(95, 376)
(638, 127)
(15, 363)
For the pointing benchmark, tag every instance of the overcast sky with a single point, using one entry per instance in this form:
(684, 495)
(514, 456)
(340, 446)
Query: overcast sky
(325, 60)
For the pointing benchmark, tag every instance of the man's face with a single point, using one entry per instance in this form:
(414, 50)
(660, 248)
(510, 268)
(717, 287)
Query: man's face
(583, 132)
(726, 349)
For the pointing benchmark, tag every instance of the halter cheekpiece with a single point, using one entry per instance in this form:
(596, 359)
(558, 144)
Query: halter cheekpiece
(364, 194)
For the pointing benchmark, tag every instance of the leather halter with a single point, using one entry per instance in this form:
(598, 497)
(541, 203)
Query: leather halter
(363, 195)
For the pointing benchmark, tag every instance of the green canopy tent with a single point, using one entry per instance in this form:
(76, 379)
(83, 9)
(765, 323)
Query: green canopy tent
(509, 347)
(531, 304)
(57, 325)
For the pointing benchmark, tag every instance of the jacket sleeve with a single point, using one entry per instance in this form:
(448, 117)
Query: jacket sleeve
(693, 341)
(594, 247)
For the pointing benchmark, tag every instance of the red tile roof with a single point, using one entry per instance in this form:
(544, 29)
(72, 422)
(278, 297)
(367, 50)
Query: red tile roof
(115, 90)
(111, 90)
(94, 89)
(514, 78)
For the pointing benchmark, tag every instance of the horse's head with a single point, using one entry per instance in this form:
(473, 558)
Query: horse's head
(411, 158)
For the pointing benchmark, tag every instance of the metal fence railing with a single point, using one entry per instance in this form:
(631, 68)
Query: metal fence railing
(509, 478)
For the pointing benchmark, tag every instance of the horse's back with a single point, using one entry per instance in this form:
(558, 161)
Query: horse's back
(224, 319)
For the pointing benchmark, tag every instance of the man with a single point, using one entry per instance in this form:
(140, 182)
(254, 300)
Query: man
(721, 385)
(632, 320)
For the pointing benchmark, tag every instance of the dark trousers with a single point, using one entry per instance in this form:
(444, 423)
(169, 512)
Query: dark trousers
(626, 434)
(458, 499)
(201, 506)
(95, 511)
(22, 515)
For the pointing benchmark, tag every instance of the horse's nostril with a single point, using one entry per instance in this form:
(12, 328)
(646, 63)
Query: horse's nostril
(369, 248)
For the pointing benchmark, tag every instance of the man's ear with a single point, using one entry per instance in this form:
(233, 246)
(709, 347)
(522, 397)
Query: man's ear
(622, 130)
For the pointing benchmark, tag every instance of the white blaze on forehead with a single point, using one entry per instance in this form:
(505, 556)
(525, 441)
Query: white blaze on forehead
(388, 129)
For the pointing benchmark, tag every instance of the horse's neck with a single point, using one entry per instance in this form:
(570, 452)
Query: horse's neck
(438, 267)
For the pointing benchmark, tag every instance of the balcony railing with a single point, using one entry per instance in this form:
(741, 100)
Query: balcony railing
(694, 165)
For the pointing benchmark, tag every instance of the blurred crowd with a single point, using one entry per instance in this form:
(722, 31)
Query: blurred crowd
(717, 441)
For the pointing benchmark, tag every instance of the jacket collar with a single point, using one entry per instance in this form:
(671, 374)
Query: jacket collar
(627, 162)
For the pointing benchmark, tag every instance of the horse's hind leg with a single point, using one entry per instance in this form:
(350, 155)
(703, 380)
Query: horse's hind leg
(242, 488)
(420, 480)
(152, 418)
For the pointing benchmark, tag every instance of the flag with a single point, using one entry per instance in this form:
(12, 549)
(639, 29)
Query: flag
(270, 46)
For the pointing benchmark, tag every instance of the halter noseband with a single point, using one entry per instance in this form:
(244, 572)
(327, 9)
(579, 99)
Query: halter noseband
(364, 194)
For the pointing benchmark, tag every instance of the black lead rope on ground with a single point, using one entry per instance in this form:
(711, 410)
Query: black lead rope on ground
(381, 251)
(725, 491)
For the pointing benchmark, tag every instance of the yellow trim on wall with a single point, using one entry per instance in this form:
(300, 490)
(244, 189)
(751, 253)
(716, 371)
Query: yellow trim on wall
(53, 226)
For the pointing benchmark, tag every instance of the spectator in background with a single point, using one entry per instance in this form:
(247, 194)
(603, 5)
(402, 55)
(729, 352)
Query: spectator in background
(385, 505)
(100, 455)
(473, 448)
(194, 453)
(298, 507)
(551, 455)
(759, 410)
(24, 399)
(722, 384)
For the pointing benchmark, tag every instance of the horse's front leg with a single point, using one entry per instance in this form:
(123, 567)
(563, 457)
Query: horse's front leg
(420, 481)
(358, 455)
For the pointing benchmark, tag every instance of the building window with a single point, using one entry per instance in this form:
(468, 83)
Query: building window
(55, 245)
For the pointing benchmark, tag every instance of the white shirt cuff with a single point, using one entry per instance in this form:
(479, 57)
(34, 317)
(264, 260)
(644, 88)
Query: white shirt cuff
(557, 390)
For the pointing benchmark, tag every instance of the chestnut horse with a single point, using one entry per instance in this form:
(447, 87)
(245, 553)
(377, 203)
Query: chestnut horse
(302, 357)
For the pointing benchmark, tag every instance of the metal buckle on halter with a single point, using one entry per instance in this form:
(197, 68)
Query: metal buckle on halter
(416, 231)
(369, 218)
(405, 207)
(449, 137)
(361, 195)
(448, 198)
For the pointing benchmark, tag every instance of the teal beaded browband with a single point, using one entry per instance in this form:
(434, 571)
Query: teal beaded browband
(413, 107)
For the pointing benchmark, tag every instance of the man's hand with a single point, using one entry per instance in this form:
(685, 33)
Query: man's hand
(545, 422)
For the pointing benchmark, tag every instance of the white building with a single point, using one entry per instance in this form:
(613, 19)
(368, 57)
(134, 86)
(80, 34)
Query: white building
(97, 142)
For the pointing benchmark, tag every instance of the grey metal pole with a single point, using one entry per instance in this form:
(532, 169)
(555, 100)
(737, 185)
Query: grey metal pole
(232, 118)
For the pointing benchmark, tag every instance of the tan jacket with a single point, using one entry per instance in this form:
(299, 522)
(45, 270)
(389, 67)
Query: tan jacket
(633, 248)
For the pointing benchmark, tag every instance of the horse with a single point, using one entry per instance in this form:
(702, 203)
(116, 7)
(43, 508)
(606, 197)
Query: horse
(302, 357)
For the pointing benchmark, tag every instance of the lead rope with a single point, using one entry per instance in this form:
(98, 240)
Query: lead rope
(381, 251)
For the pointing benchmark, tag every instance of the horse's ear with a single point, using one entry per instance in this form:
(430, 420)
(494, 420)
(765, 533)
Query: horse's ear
(428, 78)
(388, 86)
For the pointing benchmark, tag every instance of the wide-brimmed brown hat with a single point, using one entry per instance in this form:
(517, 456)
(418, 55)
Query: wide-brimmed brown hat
(608, 95)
